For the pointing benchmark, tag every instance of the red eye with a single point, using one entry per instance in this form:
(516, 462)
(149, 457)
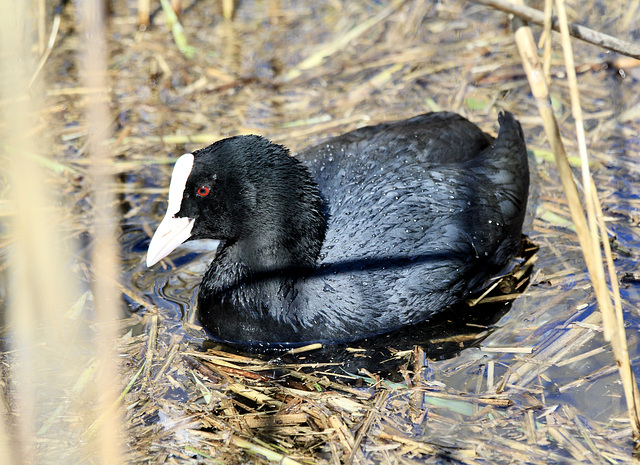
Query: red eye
(203, 191)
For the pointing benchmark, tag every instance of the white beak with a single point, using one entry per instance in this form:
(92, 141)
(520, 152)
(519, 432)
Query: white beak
(172, 231)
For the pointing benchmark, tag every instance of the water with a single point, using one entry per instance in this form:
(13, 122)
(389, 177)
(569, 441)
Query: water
(559, 298)
(541, 373)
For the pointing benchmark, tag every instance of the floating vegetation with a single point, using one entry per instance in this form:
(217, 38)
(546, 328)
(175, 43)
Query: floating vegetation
(496, 381)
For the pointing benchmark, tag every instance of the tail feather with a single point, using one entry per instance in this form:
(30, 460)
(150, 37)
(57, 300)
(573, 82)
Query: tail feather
(510, 176)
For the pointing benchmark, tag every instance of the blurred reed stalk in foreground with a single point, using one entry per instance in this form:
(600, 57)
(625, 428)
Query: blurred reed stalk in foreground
(105, 268)
(60, 405)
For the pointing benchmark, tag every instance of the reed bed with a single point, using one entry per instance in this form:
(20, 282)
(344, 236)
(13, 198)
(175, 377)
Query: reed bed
(541, 385)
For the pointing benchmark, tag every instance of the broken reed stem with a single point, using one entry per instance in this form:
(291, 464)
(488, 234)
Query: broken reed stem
(46, 53)
(588, 240)
(615, 290)
(366, 425)
(630, 17)
(228, 8)
(268, 454)
(144, 12)
(516, 8)
(548, 36)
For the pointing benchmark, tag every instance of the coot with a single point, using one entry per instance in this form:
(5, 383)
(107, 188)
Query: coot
(368, 232)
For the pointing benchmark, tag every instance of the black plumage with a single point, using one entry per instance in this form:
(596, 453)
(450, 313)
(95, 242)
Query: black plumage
(370, 231)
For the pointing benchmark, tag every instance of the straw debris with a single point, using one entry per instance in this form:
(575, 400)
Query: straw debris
(512, 377)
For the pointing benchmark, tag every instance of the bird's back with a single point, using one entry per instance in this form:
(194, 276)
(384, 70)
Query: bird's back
(419, 212)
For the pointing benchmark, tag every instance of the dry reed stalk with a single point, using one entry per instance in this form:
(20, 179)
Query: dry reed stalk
(587, 231)
(339, 43)
(614, 331)
(268, 454)
(366, 424)
(93, 70)
(144, 10)
(42, 25)
(546, 38)
(517, 8)
(44, 56)
(631, 15)
(572, 415)
(228, 7)
(152, 343)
